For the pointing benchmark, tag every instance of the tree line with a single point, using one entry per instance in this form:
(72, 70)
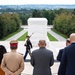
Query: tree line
(65, 23)
(8, 23)
(62, 19)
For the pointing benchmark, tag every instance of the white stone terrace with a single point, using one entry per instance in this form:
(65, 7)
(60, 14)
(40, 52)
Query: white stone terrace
(53, 46)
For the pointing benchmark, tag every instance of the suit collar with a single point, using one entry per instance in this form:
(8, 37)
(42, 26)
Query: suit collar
(42, 47)
(73, 43)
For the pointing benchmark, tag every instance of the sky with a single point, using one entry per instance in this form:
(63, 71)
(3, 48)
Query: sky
(21, 2)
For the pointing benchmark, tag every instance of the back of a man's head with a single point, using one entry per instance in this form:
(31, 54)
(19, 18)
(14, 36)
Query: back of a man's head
(42, 43)
(72, 37)
(27, 37)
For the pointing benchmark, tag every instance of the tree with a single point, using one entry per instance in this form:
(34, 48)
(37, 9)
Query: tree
(8, 23)
(65, 23)
(36, 13)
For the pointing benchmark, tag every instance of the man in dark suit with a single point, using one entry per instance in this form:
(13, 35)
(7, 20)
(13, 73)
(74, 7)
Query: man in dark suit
(42, 59)
(67, 65)
(59, 56)
(28, 45)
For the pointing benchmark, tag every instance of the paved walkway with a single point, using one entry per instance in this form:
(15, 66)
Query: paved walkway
(16, 36)
(58, 37)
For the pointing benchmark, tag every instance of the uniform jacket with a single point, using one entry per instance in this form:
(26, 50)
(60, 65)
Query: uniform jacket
(28, 44)
(42, 59)
(67, 66)
(12, 62)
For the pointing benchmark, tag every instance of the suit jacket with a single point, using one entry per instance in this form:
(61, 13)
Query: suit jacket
(67, 65)
(12, 62)
(42, 59)
(59, 56)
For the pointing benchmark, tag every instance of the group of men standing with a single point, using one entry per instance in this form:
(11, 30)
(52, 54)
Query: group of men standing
(41, 59)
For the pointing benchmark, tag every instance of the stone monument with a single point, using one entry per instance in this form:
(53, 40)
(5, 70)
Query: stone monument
(37, 29)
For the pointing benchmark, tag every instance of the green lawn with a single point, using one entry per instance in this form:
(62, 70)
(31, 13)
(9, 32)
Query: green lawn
(51, 38)
(59, 33)
(10, 35)
(23, 37)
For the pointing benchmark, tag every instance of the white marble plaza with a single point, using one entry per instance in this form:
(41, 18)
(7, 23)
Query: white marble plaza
(53, 46)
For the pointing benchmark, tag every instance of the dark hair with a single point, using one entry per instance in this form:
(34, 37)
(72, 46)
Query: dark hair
(27, 36)
(68, 41)
(13, 47)
(2, 51)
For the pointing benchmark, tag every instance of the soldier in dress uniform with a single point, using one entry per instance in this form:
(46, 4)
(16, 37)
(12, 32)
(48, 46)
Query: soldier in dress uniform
(28, 45)
(13, 62)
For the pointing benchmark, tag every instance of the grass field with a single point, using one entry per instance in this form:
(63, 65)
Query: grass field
(23, 37)
(51, 38)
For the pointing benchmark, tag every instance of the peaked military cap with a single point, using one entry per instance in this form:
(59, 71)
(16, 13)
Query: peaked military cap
(13, 43)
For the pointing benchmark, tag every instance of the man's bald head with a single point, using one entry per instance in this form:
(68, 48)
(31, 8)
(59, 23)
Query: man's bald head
(42, 43)
(72, 37)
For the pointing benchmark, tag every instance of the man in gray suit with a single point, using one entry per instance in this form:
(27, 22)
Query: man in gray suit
(42, 59)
